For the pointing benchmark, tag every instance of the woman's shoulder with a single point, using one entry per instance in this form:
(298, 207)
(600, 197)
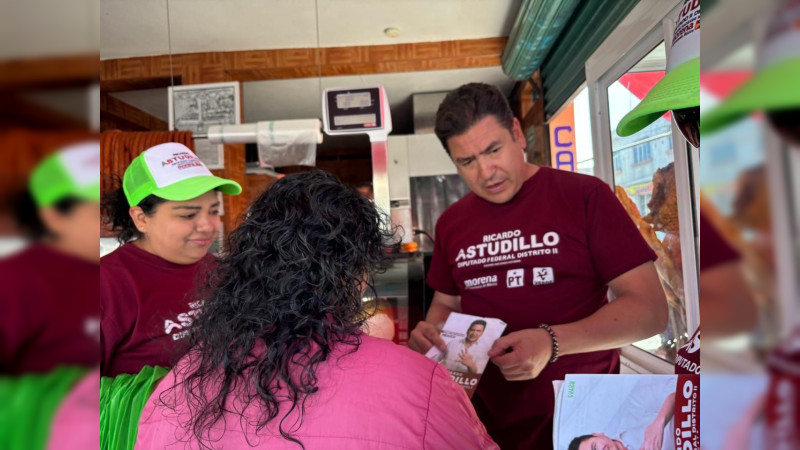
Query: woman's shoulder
(390, 361)
(388, 349)
(118, 256)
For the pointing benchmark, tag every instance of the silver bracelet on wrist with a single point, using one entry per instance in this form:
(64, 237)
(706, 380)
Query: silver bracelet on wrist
(553, 337)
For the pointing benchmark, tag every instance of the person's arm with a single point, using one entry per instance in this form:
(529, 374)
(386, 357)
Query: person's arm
(638, 312)
(738, 434)
(654, 433)
(426, 334)
(13, 329)
(118, 311)
(451, 421)
(727, 305)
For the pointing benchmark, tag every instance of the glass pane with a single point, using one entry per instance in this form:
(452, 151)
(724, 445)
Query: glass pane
(735, 197)
(644, 175)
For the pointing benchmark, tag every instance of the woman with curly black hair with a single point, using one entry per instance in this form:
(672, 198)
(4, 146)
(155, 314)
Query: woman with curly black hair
(278, 358)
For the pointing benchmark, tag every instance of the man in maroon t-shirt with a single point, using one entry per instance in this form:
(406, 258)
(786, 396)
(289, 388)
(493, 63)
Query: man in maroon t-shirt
(538, 248)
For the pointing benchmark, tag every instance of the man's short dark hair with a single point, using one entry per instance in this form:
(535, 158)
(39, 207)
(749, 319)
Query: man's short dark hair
(467, 105)
(477, 322)
(576, 442)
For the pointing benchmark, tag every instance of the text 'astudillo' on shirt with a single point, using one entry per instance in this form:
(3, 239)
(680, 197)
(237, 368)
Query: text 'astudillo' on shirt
(507, 242)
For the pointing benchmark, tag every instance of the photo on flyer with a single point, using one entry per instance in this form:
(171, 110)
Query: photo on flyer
(468, 339)
(615, 411)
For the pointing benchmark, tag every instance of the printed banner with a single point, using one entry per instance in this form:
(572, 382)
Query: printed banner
(687, 413)
(563, 153)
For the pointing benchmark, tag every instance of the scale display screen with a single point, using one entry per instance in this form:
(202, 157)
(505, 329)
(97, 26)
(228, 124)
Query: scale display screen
(354, 109)
(360, 119)
(356, 100)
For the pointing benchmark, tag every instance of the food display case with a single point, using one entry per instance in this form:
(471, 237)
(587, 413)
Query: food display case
(400, 301)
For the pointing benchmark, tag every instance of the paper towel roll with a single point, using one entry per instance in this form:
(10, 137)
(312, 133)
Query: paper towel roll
(288, 142)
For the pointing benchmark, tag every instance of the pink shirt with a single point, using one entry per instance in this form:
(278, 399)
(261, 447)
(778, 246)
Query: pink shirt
(76, 423)
(381, 396)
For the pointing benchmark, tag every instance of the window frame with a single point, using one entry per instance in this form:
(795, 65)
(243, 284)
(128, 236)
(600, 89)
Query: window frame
(646, 26)
(725, 31)
(782, 162)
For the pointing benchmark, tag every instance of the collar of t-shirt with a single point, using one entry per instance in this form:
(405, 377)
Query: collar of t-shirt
(51, 257)
(527, 187)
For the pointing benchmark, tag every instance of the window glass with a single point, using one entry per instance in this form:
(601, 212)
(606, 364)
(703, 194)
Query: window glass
(734, 194)
(644, 178)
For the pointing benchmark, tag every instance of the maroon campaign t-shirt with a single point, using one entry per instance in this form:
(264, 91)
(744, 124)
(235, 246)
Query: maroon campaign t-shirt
(49, 311)
(714, 249)
(543, 257)
(147, 305)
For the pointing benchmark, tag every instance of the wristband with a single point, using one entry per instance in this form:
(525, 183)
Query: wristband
(553, 337)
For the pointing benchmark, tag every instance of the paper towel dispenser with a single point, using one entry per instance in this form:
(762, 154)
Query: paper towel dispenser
(280, 142)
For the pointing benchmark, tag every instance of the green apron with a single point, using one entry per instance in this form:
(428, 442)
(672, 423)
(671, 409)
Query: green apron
(122, 399)
(29, 402)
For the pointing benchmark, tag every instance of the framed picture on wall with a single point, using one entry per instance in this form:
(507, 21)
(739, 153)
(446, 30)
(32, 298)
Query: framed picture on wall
(196, 107)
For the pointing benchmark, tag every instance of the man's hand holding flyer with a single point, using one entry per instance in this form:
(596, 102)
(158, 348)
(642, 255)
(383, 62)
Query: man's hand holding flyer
(468, 339)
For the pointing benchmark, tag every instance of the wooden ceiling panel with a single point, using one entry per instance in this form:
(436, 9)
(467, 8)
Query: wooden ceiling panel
(52, 72)
(258, 65)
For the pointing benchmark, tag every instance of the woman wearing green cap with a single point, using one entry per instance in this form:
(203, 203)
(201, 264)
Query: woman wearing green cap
(48, 307)
(167, 216)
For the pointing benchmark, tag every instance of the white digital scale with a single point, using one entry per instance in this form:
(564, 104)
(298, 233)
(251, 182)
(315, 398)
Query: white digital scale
(362, 110)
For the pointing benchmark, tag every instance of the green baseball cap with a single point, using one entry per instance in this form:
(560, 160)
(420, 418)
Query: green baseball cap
(776, 84)
(71, 172)
(680, 87)
(171, 171)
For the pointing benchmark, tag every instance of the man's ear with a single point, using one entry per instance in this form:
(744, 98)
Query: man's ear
(51, 219)
(517, 134)
(139, 218)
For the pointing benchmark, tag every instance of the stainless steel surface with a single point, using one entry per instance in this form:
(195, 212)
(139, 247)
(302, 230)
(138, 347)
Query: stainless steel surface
(394, 282)
(430, 196)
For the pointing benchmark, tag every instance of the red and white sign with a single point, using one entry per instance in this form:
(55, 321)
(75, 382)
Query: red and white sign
(687, 413)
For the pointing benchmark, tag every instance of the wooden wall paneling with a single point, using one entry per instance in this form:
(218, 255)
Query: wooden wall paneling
(350, 171)
(256, 185)
(539, 152)
(234, 205)
(17, 112)
(114, 112)
(134, 84)
(253, 65)
(21, 149)
(147, 72)
(50, 72)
